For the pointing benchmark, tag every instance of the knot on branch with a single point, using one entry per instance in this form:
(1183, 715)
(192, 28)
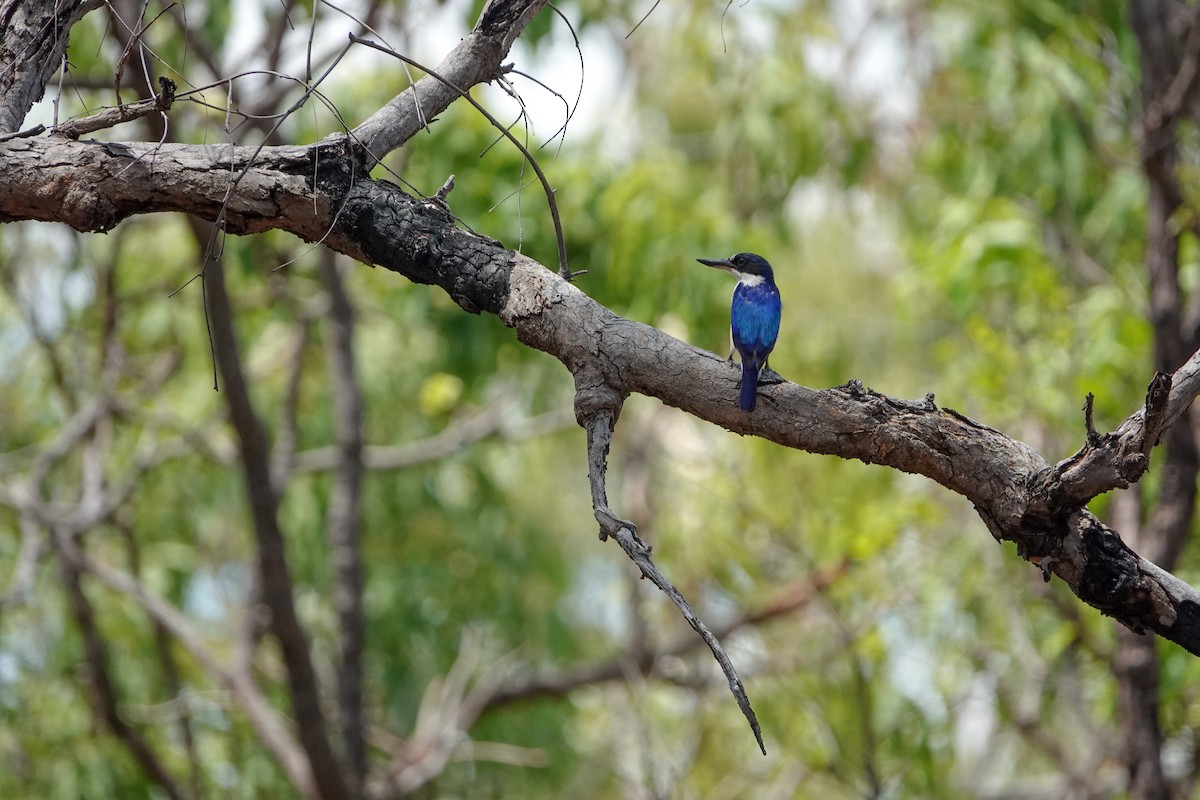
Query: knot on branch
(595, 398)
(596, 409)
(166, 95)
(596, 393)
(854, 387)
(1131, 467)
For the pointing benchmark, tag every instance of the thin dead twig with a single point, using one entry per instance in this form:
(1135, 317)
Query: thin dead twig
(563, 269)
(160, 103)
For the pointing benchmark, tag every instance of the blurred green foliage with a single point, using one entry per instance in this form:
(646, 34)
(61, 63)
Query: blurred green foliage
(950, 194)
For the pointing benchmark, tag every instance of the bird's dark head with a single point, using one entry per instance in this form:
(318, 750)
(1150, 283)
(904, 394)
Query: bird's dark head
(742, 264)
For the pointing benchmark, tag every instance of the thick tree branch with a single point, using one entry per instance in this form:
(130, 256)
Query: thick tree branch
(316, 193)
(138, 177)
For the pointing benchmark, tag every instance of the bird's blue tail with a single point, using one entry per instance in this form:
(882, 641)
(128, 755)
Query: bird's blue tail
(749, 384)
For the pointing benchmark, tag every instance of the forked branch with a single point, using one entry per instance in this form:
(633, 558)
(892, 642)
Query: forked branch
(1117, 459)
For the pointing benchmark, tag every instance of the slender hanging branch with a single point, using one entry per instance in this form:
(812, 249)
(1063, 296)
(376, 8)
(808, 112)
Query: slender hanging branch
(599, 425)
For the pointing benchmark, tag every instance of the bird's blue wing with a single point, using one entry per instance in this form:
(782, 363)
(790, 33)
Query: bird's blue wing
(754, 321)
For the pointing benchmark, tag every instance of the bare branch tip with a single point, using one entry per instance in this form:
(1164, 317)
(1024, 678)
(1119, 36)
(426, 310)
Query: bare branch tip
(853, 387)
(1093, 437)
(28, 133)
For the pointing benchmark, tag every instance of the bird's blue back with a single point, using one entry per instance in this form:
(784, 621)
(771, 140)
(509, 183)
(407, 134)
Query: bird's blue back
(754, 323)
(754, 320)
(754, 317)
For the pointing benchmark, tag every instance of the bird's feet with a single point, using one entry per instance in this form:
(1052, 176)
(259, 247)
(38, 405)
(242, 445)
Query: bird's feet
(769, 376)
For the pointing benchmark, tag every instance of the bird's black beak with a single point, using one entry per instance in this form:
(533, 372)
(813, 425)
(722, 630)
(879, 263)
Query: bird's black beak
(719, 263)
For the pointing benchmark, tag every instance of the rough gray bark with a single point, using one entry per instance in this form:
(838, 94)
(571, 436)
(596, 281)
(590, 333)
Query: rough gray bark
(33, 41)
